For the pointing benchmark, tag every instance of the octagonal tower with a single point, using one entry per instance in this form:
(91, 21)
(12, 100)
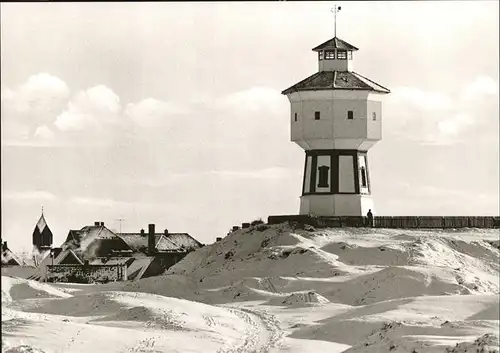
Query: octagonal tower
(336, 117)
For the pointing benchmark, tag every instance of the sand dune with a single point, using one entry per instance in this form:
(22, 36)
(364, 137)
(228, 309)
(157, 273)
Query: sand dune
(279, 289)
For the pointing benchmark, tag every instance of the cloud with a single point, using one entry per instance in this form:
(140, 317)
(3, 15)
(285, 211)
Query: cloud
(252, 100)
(411, 199)
(482, 86)
(96, 202)
(28, 195)
(35, 103)
(430, 117)
(266, 174)
(93, 108)
(44, 133)
(151, 113)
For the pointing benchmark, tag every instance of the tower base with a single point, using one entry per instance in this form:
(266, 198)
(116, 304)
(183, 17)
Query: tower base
(336, 205)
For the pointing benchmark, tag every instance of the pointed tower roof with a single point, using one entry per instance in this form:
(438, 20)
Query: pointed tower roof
(335, 43)
(42, 235)
(41, 224)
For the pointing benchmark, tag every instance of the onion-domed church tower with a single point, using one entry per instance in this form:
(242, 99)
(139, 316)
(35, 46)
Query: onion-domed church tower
(336, 117)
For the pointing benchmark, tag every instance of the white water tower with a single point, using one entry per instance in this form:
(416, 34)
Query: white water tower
(336, 117)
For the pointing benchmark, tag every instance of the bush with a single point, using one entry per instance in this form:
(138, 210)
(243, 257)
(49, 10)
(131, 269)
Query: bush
(257, 222)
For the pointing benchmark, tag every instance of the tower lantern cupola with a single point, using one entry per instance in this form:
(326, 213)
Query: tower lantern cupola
(335, 55)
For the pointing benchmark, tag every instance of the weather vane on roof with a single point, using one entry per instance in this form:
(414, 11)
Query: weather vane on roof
(335, 10)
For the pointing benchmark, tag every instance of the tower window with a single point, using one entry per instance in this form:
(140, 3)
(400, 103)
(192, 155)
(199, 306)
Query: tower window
(329, 54)
(323, 176)
(320, 55)
(363, 177)
(341, 54)
(316, 115)
(350, 114)
(374, 116)
(349, 54)
(295, 116)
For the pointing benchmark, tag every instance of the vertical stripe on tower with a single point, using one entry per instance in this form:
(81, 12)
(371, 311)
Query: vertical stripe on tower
(314, 166)
(335, 172)
(367, 174)
(305, 171)
(356, 172)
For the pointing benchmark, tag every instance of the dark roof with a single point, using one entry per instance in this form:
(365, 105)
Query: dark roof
(65, 257)
(336, 80)
(42, 235)
(335, 43)
(184, 240)
(97, 241)
(10, 259)
(138, 241)
(93, 241)
(170, 241)
(137, 268)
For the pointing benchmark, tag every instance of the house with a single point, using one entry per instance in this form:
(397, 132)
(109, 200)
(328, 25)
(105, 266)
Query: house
(97, 252)
(9, 258)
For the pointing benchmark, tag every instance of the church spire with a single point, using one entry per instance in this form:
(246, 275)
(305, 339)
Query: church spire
(42, 235)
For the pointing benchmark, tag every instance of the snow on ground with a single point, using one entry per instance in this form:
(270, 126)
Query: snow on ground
(278, 289)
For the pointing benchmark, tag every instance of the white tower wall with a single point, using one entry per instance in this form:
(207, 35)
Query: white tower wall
(336, 117)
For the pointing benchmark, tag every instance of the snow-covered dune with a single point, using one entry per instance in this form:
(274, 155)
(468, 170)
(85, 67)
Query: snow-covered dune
(280, 289)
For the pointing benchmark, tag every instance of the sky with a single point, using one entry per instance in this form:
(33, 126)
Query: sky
(172, 113)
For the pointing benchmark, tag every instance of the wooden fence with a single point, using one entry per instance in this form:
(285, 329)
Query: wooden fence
(420, 222)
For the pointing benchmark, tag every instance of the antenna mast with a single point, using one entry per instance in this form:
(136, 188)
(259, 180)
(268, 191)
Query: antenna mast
(335, 10)
(120, 220)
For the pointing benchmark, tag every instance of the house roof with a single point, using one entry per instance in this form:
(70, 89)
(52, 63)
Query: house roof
(335, 43)
(336, 80)
(9, 258)
(138, 241)
(184, 240)
(137, 268)
(166, 244)
(171, 241)
(92, 241)
(64, 254)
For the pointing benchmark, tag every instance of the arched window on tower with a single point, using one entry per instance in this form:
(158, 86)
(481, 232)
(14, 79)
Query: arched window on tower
(323, 176)
(363, 177)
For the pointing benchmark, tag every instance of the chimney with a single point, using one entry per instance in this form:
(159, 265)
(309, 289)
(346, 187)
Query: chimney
(165, 232)
(96, 224)
(245, 225)
(143, 233)
(4, 246)
(235, 228)
(218, 239)
(102, 224)
(151, 239)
